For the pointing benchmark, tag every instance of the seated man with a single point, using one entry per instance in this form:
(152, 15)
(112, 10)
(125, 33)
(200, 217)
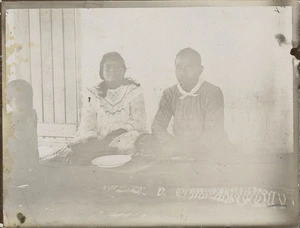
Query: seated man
(197, 107)
(20, 127)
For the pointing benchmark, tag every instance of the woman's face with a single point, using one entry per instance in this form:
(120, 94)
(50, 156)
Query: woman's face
(113, 71)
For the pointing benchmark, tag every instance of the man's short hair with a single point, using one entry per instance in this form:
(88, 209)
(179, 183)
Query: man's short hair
(19, 89)
(195, 56)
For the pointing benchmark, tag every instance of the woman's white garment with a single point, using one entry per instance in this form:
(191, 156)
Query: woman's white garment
(123, 108)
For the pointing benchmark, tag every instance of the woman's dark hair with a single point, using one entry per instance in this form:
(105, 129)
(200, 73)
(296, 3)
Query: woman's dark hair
(102, 87)
(111, 56)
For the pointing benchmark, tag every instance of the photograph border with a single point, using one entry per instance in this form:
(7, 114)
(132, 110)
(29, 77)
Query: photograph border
(10, 4)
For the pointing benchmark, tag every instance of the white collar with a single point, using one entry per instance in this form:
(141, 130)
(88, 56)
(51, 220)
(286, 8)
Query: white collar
(192, 93)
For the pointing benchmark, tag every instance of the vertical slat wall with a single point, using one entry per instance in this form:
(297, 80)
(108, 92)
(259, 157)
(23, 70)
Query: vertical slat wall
(47, 66)
(23, 55)
(70, 65)
(49, 60)
(35, 61)
(58, 66)
(78, 60)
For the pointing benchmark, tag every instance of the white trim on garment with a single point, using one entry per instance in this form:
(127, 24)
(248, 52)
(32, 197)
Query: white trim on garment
(192, 93)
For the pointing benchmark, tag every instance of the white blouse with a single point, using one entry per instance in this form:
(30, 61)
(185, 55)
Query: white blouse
(123, 107)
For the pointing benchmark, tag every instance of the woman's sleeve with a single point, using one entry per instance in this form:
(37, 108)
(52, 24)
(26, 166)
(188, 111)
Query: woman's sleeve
(88, 123)
(137, 113)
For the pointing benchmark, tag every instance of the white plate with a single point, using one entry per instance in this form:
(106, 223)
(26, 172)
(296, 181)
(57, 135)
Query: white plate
(111, 161)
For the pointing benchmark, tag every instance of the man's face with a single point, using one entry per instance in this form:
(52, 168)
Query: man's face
(187, 72)
(20, 105)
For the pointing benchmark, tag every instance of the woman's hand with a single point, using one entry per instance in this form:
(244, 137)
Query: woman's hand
(85, 158)
(111, 136)
(84, 153)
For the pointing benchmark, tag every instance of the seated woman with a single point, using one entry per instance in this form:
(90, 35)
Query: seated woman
(113, 114)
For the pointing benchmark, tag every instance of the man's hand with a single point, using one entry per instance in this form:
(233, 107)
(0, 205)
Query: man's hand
(184, 150)
(147, 145)
(195, 150)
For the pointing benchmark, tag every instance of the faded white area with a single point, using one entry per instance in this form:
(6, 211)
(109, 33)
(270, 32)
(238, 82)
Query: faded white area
(239, 51)
(238, 47)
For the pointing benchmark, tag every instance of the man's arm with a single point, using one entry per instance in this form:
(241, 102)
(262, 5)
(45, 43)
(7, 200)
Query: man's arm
(162, 119)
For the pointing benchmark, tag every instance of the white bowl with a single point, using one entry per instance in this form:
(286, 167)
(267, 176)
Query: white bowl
(111, 161)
